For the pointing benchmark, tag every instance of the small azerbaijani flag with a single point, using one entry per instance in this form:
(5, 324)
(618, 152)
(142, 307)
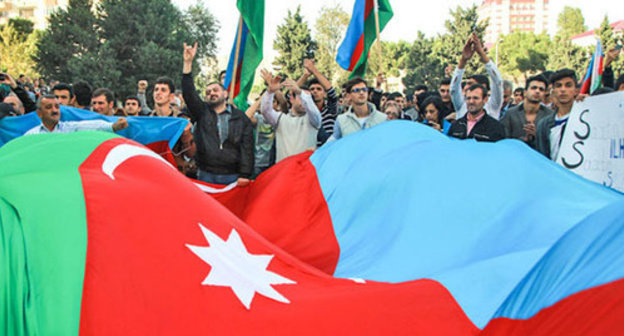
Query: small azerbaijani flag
(251, 31)
(361, 34)
(593, 77)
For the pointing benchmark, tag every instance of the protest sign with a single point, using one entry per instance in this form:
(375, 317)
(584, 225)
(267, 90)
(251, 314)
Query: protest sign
(593, 142)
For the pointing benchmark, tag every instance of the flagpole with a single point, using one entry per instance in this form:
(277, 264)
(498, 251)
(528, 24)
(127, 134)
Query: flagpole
(376, 5)
(236, 54)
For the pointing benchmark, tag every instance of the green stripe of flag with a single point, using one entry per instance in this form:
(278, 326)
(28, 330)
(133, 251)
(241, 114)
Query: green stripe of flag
(252, 12)
(38, 297)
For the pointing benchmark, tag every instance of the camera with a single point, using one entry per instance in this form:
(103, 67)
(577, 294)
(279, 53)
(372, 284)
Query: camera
(2, 76)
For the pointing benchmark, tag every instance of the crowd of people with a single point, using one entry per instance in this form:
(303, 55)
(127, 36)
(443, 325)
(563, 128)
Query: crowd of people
(225, 145)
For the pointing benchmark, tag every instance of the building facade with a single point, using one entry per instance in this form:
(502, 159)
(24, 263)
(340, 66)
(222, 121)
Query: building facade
(507, 16)
(36, 11)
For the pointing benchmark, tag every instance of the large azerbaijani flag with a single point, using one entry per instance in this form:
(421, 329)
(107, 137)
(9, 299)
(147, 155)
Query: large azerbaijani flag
(493, 223)
(249, 50)
(374, 234)
(100, 236)
(361, 34)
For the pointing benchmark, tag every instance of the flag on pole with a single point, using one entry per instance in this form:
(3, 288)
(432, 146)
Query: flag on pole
(593, 77)
(361, 34)
(249, 51)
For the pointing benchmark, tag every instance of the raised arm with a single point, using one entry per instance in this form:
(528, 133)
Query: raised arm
(191, 97)
(251, 111)
(309, 65)
(266, 107)
(495, 102)
(29, 105)
(457, 97)
(314, 116)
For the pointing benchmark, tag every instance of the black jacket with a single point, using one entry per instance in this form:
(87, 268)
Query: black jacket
(236, 156)
(486, 129)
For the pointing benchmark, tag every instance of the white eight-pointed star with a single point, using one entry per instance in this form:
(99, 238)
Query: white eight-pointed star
(234, 267)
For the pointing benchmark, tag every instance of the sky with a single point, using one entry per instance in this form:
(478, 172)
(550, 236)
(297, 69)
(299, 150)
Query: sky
(410, 16)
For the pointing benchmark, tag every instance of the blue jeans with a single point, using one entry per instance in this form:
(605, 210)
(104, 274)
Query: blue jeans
(223, 179)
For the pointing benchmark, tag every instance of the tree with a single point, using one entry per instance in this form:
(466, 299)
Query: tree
(23, 27)
(203, 26)
(71, 33)
(564, 54)
(422, 67)
(125, 42)
(16, 51)
(330, 27)
(448, 46)
(571, 22)
(393, 55)
(294, 43)
(523, 54)
(609, 39)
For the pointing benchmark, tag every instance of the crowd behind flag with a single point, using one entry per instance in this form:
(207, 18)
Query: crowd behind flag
(211, 272)
(316, 208)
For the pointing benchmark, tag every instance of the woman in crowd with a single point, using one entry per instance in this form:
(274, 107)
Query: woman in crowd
(433, 108)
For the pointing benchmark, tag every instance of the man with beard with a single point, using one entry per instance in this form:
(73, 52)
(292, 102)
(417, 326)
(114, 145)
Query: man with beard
(477, 124)
(520, 120)
(223, 134)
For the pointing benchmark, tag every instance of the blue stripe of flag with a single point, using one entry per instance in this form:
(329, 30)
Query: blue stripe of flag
(353, 35)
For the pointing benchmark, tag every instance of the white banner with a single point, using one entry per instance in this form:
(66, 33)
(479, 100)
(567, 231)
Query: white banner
(593, 142)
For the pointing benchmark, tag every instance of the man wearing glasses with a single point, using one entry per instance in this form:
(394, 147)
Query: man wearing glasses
(520, 120)
(360, 115)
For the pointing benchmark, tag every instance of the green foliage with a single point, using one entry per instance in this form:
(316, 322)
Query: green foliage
(448, 46)
(23, 27)
(16, 51)
(522, 54)
(570, 22)
(71, 34)
(122, 42)
(422, 67)
(564, 54)
(609, 39)
(294, 43)
(330, 27)
(393, 55)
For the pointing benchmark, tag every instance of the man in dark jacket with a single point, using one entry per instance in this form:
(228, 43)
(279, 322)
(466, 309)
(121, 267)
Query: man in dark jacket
(477, 124)
(223, 134)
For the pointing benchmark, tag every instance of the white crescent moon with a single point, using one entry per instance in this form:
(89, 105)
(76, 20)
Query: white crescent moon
(123, 153)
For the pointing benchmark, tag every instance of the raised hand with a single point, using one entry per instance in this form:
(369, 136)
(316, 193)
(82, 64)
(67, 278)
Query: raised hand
(142, 86)
(308, 64)
(189, 52)
(611, 56)
(468, 50)
(478, 48)
(120, 124)
(292, 85)
(272, 82)
(379, 80)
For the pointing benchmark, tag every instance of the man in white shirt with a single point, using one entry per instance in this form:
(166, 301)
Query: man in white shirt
(48, 110)
(295, 131)
(495, 102)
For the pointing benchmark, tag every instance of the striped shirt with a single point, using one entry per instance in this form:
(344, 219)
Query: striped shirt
(328, 113)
